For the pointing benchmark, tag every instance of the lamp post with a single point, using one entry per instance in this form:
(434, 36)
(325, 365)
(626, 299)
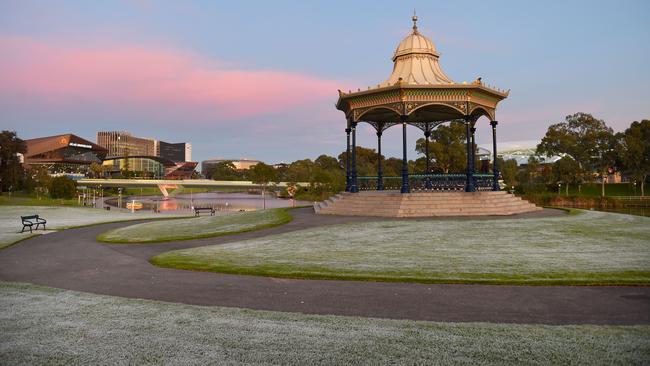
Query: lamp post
(559, 186)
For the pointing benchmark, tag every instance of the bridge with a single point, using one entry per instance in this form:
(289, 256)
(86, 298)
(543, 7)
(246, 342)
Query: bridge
(164, 184)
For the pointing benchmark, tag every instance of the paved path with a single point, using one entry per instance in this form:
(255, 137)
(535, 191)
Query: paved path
(72, 259)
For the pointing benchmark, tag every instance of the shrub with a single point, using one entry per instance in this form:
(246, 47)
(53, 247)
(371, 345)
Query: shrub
(62, 187)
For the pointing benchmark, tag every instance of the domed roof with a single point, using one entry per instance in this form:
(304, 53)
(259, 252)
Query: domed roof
(415, 43)
(416, 61)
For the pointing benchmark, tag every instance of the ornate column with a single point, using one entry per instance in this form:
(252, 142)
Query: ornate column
(427, 134)
(469, 183)
(380, 178)
(347, 161)
(354, 188)
(495, 165)
(405, 163)
(473, 131)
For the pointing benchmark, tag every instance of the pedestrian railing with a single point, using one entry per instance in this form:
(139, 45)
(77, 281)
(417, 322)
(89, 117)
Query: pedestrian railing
(428, 182)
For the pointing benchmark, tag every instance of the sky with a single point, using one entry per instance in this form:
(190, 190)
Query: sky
(259, 79)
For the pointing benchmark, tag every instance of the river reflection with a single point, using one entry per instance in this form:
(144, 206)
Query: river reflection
(220, 201)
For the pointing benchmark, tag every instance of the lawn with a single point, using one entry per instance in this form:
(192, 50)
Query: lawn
(21, 199)
(41, 325)
(196, 227)
(585, 249)
(612, 189)
(58, 218)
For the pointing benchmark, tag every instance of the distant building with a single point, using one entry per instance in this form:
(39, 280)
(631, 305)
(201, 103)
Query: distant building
(240, 164)
(148, 167)
(173, 152)
(66, 153)
(123, 143)
(178, 152)
(188, 152)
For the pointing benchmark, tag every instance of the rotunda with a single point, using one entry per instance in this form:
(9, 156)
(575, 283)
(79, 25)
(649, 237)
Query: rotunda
(419, 93)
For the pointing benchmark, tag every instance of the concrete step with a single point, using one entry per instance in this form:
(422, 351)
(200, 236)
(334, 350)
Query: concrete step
(422, 204)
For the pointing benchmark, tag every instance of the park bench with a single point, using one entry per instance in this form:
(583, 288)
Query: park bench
(31, 220)
(197, 210)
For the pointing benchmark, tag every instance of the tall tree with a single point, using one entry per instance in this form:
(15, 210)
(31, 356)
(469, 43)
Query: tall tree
(530, 177)
(509, 171)
(366, 160)
(635, 151)
(42, 180)
(584, 138)
(328, 162)
(11, 170)
(327, 177)
(224, 170)
(96, 169)
(567, 171)
(300, 170)
(447, 148)
(392, 167)
(263, 174)
(605, 154)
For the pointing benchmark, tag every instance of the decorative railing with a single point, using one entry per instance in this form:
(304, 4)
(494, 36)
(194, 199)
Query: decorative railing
(428, 182)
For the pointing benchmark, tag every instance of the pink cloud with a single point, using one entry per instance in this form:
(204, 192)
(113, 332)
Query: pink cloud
(160, 80)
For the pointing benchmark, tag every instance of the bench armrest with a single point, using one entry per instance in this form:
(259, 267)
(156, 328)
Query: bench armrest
(41, 220)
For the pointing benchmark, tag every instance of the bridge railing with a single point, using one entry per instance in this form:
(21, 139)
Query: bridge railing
(176, 182)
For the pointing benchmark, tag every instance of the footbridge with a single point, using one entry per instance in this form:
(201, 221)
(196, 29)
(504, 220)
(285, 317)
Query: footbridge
(164, 184)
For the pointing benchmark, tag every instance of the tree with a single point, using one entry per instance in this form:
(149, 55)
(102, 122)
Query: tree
(224, 170)
(42, 180)
(328, 163)
(605, 153)
(11, 170)
(530, 178)
(635, 151)
(327, 177)
(263, 174)
(392, 167)
(325, 182)
(27, 184)
(62, 187)
(300, 170)
(509, 171)
(447, 148)
(96, 169)
(567, 171)
(584, 138)
(366, 161)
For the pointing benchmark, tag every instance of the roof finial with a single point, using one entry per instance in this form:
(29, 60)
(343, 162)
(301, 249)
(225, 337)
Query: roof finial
(415, 20)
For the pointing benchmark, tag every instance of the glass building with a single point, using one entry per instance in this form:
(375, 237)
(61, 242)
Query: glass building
(122, 143)
(138, 166)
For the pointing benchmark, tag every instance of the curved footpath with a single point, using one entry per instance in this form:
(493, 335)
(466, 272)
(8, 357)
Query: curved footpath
(72, 259)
